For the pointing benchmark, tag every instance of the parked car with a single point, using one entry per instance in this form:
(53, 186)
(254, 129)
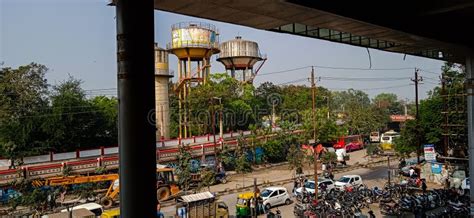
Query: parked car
(273, 196)
(309, 186)
(375, 137)
(348, 180)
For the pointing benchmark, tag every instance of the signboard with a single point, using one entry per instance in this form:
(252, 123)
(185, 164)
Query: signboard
(430, 153)
(436, 168)
(401, 118)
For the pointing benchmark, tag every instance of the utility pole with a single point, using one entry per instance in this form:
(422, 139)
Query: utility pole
(221, 123)
(213, 125)
(446, 115)
(416, 80)
(313, 90)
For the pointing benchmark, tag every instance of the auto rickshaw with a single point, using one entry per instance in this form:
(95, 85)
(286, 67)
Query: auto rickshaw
(242, 207)
(114, 213)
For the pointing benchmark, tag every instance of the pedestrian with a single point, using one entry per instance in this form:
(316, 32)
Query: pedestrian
(411, 172)
(331, 176)
(423, 185)
(323, 187)
(260, 205)
(403, 163)
(252, 206)
(278, 213)
(447, 183)
(295, 186)
(159, 214)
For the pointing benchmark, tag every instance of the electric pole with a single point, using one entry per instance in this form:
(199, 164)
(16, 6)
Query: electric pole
(416, 80)
(446, 116)
(213, 125)
(313, 90)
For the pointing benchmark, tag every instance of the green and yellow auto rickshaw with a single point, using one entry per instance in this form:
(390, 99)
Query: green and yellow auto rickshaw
(243, 208)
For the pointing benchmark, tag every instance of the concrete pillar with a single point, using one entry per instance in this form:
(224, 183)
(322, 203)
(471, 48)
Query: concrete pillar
(470, 121)
(137, 144)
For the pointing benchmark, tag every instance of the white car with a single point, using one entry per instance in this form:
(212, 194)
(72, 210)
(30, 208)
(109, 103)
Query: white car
(309, 186)
(348, 180)
(273, 196)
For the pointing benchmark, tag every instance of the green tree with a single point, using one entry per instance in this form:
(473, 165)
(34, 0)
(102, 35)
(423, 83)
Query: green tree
(106, 118)
(242, 163)
(329, 157)
(23, 105)
(183, 167)
(295, 158)
(407, 142)
(207, 178)
(73, 123)
(274, 151)
(388, 102)
(327, 128)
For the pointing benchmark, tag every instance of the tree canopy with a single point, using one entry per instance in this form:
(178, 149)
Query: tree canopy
(36, 117)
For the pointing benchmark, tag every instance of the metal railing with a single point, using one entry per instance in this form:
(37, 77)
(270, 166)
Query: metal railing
(202, 25)
(193, 44)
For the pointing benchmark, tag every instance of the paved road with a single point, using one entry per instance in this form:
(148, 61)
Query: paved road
(371, 176)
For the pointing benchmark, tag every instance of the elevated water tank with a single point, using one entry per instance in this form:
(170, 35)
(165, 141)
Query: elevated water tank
(194, 40)
(240, 55)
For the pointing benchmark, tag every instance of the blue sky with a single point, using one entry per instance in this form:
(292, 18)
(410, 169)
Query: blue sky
(77, 38)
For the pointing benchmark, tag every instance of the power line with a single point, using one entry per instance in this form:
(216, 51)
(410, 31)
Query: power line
(430, 82)
(367, 89)
(368, 79)
(283, 71)
(367, 69)
(427, 71)
(293, 81)
(338, 68)
(52, 115)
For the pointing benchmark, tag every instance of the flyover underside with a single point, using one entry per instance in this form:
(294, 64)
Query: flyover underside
(292, 18)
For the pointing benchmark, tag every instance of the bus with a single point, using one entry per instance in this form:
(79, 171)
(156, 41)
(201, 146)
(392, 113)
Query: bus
(375, 137)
